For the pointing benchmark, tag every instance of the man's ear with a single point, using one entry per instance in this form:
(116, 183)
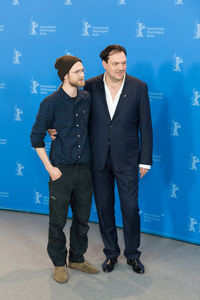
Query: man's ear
(66, 77)
(104, 63)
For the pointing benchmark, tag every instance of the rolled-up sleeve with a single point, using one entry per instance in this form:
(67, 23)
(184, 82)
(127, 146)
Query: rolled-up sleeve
(43, 122)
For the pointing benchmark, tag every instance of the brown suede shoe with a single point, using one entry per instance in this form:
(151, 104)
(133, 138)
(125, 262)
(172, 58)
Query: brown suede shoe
(84, 267)
(60, 274)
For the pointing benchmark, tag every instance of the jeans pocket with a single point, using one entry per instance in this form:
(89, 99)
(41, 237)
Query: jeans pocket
(58, 179)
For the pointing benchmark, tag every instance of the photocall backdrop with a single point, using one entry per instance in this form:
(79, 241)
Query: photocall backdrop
(162, 39)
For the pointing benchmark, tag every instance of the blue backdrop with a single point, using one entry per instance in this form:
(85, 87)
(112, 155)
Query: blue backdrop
(162, 39)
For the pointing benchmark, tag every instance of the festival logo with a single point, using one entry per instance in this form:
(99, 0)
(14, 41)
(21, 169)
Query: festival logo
(19, 169)
(195, 98)
(67, 52)
(175, 127)
(197, 30)
(194, 161)
(2, 28)
(85, 28)
(68, 2)
(173, 190)
(2, 86)
(16, 56)
(3, 141)
(4, 194)
(143, 31)
(177, 62)
(33, 27)
(88, 29)
(36, 29)
(139, 30)
(178, 2)
(17, 114)
(40, 199)
(43, 89)
(156, 97)
(34, 86)
(121, 2)
(15, 2)
(151, 217)
(157, 158)
(193, 224)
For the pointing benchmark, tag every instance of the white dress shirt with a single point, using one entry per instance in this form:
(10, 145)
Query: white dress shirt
(112, 105)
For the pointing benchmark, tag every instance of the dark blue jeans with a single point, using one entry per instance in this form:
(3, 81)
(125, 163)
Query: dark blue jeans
(73, 188)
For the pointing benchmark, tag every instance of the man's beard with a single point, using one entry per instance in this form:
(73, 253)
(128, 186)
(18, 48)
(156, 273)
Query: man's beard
(77, 83)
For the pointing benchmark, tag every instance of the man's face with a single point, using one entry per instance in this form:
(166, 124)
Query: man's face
(116, 66)
(75, 76)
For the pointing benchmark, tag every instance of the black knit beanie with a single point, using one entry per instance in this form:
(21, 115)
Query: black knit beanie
(64, 63)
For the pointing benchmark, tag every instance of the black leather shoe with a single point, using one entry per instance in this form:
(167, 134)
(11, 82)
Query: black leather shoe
(138, 267)
(109, 264)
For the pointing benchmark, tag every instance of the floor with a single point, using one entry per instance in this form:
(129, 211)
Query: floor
(172, 267)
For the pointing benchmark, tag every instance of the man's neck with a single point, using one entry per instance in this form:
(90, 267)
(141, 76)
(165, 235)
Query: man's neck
(112, 84)
(70, 90)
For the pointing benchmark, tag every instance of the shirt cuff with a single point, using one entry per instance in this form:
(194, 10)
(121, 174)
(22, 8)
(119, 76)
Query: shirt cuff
(145, 166)
(38, 145)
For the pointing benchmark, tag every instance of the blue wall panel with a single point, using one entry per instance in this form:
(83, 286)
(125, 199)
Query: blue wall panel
(162, 39)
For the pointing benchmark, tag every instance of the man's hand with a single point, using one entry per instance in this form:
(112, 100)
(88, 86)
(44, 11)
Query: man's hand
(143, 172)
(54, 173)
(52, 133)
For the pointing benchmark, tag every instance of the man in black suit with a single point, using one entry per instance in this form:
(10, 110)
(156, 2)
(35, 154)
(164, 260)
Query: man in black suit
(121, 142)
(121, 139)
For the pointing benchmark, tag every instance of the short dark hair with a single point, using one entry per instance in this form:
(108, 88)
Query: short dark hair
(111, 48)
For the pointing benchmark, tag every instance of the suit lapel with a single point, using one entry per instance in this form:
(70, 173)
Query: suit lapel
(123, 96)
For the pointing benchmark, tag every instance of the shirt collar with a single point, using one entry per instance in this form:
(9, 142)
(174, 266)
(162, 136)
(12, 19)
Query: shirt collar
(67, 97)
(121, 87)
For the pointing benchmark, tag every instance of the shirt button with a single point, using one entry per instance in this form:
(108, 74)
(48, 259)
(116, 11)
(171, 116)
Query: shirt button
(110, 125)
(76, 115)
(79, 156)
(77, 125)
(79, 146)
(84, 111)
(78, 135)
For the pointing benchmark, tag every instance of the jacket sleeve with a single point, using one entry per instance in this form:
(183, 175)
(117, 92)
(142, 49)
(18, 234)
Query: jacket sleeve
(146, 134)
(43, 122)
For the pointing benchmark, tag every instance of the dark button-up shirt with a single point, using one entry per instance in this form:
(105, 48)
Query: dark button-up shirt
(69, 116)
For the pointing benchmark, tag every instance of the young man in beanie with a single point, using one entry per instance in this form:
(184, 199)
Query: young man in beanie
(67, 110)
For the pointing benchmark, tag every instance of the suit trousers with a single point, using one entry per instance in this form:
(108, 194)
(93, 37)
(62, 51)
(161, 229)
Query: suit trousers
(104, 186)
(73, 188)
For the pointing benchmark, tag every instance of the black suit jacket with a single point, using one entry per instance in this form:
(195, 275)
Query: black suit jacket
(129, 133)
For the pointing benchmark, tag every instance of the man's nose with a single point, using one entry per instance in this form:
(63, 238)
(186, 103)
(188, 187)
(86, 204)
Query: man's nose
(122, 66)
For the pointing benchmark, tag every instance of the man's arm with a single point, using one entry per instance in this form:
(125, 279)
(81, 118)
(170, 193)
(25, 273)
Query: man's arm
(54, 172)
(146, 135)
(43, 122)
